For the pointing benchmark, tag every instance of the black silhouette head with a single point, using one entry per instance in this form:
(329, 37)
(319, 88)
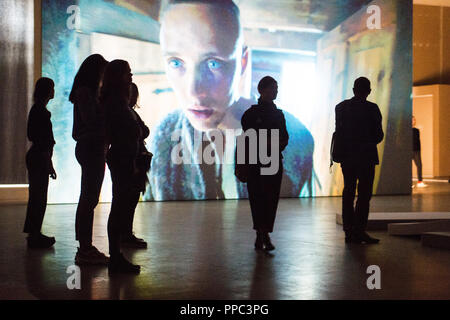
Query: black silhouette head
(268, 88)
(89, 75)
(116, 81)
(44, 90)
(361, 87)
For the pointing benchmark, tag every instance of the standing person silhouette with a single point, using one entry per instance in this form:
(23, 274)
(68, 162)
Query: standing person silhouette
(128, 239)
(89, 133)
(417, 157)
(123, 134)
(358, 127)
(39, 163)
(264, 190)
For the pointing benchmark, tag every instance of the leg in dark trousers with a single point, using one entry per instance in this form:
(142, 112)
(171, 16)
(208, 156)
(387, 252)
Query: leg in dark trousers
(92, 162)
(127, 226)
(418, 162)
(366, 175)
(127, 237)
(350, 174)
(361, 176)
(38, 179)
(264, 193)
(123, 193)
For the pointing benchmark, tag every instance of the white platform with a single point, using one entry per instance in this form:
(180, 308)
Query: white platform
(380, 220)
(13, 194)
(418, 228)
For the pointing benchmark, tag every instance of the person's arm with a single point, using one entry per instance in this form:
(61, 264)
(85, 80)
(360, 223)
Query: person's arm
(284, 135)
(339, 124)
(32, 131)
(418, 139)
(144, 128)
(378, 129)
(51, 170)
(245, 122)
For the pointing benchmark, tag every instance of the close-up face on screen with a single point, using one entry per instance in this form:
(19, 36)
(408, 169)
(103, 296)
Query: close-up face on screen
(203, 52)
(197, 65)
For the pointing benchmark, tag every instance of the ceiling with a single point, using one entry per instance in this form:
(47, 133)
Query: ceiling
(297, 15)
(441, 3)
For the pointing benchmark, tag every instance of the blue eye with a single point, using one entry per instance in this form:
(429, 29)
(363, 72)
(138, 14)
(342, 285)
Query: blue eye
(175, 63)
(214, 64)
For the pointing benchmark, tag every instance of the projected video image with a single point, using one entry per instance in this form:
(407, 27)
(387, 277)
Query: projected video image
(197, 65)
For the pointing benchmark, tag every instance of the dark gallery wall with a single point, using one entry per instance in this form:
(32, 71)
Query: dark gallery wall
(16, 81)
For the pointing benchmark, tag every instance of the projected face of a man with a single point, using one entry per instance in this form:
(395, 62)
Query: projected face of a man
(204, 55)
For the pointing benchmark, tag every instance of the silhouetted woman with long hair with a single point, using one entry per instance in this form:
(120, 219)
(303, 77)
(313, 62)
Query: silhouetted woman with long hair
(264, 190)
(39, 163)
(128, 239)
(90, 134)
(123, 136)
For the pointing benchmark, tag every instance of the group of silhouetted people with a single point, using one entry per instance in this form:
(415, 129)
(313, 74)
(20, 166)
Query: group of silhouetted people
(107, 130)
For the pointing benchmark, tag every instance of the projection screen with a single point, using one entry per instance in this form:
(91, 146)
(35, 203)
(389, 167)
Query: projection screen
(197, 72)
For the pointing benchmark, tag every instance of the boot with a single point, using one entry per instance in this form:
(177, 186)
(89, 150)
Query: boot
(268, 246)
(118, 264)
(259, 244)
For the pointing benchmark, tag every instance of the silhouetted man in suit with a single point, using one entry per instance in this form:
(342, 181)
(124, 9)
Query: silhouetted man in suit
(358, 126)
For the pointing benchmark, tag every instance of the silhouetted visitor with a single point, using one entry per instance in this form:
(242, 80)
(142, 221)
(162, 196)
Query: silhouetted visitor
(128, 239)
(264, 190)
(89, 133)
(123, 133)
(39, 163)
(417, 157)
(359, 130)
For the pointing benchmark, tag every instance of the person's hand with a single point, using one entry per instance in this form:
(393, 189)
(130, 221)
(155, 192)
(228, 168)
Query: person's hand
(52, 173)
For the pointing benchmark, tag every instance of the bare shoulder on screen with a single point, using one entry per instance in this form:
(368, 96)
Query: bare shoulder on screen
(162, 132)
(241, 106)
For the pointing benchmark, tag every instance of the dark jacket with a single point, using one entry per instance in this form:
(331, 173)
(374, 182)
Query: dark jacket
(123, 135)
(359, 127)
(266, 116)
(39, 129)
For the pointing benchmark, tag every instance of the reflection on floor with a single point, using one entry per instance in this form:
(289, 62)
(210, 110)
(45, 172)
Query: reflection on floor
(204, 250)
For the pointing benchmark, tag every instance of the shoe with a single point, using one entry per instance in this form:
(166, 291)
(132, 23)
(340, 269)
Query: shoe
(40, 241)
(268, 246)
(133, 242)
(259, 244)
(121, 265)
(364, 238)
(90, 256)
(420, 184)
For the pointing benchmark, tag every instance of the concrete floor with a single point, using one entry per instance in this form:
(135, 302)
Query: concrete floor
(204, 250)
